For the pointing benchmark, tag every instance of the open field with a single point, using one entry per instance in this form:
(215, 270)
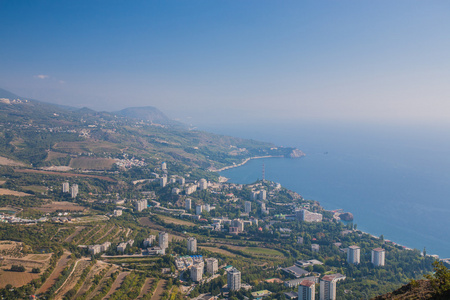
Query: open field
(36, 188)
(170, 220)
(12, 193)
(159, 290)
(51, 280)
(263, 252)
(64, 174)
(16, 279)
(60, 206)
(2, 182)
(54, 155)
(218, 250)
(89, 145)
(9, 162)
(91, 163)
(29, 261)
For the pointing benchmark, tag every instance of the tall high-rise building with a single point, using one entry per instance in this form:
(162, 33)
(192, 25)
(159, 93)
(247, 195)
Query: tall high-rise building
(262, 195)
(65, 187)
(307, 290)
(234, 279)
(197, 272)
(140, 205)
(163, 166)
(307, 216)
(328, 288)
(207, 207)
(198, 209)
(188, 202)
(181, 181)
(163, 181)
(254, 195)
(212, 265)
(248, 207)
(192, 245)
(378, 255)
(353, 255)
(203, 184)
(74, 190)
(163, 240)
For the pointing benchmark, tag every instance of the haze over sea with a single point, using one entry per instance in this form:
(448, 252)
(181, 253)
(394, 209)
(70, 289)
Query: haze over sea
(395, 180)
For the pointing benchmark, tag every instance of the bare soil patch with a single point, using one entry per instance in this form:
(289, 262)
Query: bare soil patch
(60, 265)
(9, 162)
(54, 155)
(146, 287)
(16, 279)
(167, 219)
(73, 278)
(91, 163)
(159, 290)
(13, 193)
(2, 182)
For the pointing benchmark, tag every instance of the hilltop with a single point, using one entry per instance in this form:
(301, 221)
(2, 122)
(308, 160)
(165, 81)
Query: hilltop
(45, 135)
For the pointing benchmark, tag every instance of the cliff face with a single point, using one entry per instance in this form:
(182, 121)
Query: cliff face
(296, 153)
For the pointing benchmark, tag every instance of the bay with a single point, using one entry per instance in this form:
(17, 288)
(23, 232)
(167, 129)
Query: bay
(395, 180)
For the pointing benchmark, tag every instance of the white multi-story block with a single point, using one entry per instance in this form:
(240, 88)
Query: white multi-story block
(121, 247)
(74, 190)
(197, 272)
(307, 216)
(353, 254)
(262, 195)
(234, 279)
(163, 166)
(198, 209)
(149, 241)
(65, 187)
(203, 184)
(192, 245)
(378, 256)
(163, 181)
(188, 203)
(254, 195)
(140, 205)
(315, 247)
(190, 189)
(181, 181)
(212, 265)
(307, 290)
(207, 207)
(248, 207)
(163, 240)
(117, 212)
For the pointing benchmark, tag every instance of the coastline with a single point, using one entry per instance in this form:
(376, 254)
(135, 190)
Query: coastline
(362, 231)
(212, 169)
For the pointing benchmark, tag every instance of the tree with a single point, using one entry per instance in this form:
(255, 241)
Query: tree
(440, 280)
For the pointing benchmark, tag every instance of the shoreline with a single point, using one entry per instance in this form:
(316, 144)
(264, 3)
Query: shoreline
(244, 162)
(362, 231)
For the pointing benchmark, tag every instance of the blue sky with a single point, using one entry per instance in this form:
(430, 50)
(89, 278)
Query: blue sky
(216, 61)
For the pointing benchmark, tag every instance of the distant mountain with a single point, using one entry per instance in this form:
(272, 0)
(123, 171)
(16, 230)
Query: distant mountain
(146, 113)
(8, 94)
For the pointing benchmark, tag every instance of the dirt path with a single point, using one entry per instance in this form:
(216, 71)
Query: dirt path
(51, 280)
(159, 290)
(117, 283)
(70, 238)
(103, 236)
(72, 279)
(146, 287)
(96, 269)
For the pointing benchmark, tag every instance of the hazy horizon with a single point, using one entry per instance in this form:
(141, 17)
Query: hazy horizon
(232, 61)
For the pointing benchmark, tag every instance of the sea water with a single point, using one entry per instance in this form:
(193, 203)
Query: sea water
(395, 180)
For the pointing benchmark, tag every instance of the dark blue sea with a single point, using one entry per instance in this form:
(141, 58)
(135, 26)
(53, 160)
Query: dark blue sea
(394, 179)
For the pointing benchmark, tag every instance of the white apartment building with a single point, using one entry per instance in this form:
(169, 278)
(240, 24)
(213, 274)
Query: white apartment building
(212, 265)
(307, 290)
(163, 240)
(192, 245)
(234, 279)
(378, 256)
(353, 254)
